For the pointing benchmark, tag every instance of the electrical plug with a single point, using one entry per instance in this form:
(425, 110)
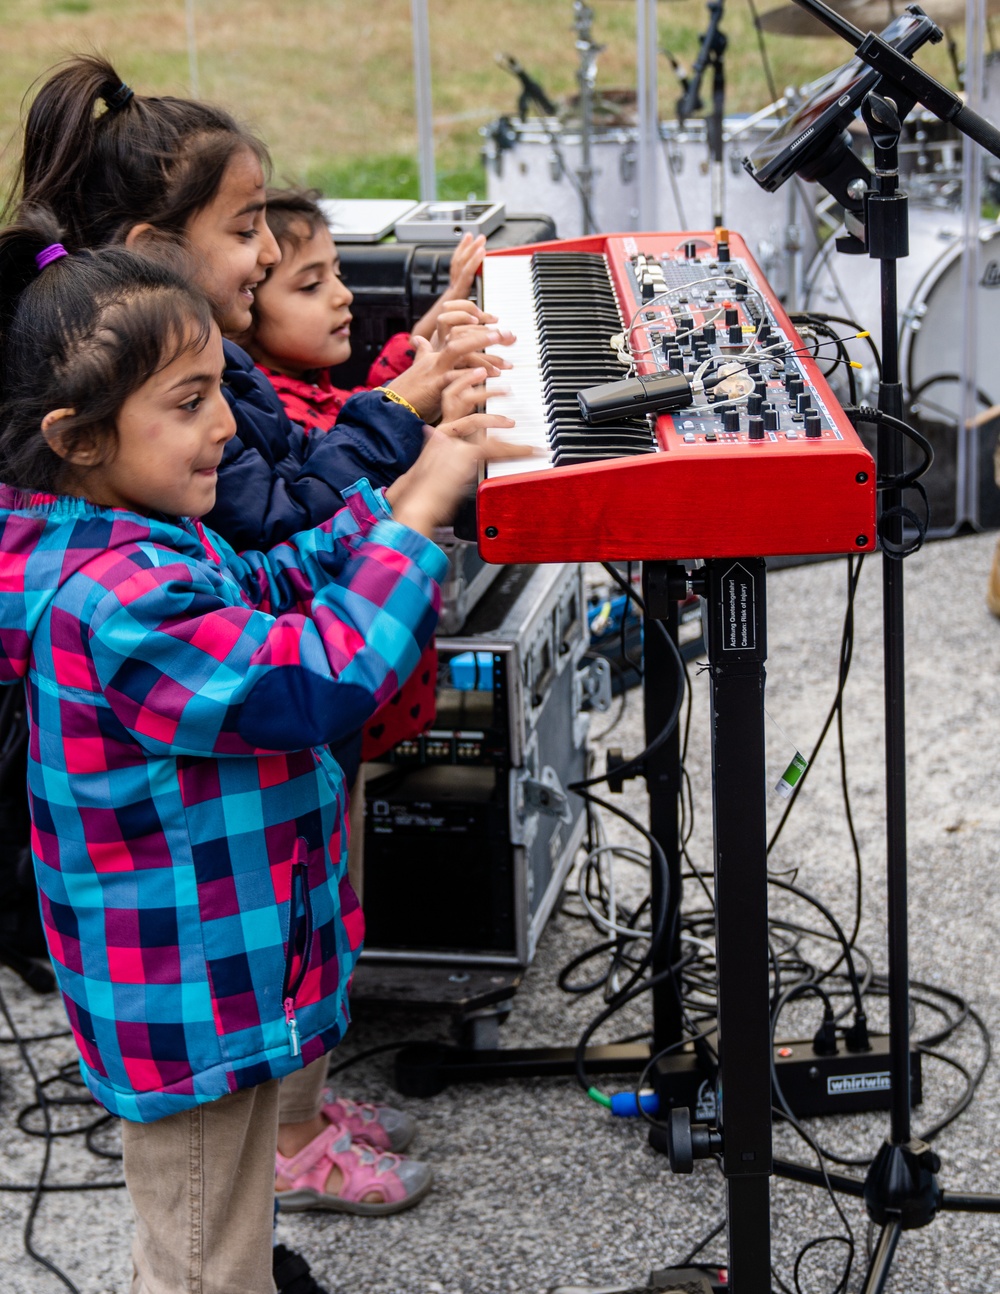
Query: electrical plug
(856, 1037)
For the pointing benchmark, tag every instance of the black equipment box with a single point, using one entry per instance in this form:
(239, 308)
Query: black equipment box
(395, 283)
(469, 832)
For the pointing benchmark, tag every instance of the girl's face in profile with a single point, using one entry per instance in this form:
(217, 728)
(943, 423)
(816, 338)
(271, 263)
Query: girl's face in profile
(171, 434)
(303, 308)
(232, 244)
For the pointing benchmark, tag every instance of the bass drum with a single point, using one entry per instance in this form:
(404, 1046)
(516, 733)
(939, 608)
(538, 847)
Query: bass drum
(532, 166)
(781, 229)
(930, 297)
(932, 362)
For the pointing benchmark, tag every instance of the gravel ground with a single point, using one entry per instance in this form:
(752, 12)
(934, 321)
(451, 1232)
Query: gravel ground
(535, 1185)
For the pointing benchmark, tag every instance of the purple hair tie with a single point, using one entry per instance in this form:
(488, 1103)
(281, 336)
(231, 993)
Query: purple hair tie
(50, 254)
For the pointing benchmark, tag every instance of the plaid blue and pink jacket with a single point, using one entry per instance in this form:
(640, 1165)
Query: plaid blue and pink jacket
(189, 828)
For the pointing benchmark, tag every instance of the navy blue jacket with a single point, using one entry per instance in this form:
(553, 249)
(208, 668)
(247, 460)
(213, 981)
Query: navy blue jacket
(275, 480)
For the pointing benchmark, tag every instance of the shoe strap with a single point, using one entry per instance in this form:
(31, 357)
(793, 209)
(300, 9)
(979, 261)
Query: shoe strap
(310, 1154)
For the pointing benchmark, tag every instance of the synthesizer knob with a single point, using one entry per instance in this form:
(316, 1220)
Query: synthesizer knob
(755, 424)
(685, 323)
(732, 316)
(740, 290)
(794, 387)
(770, 418)
(691, 251)
(674, 358)
(731, 420)
(708, 332)
(722, 251)
(764, 334)
(735, 335)
(648, 291)
(813, 428)
(803, 401)
(760, 388)
(754, 403)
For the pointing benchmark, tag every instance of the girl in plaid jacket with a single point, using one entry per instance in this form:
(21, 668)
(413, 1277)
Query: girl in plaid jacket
(187, 820)
(185, 181)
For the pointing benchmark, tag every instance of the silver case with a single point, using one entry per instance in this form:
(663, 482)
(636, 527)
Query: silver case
(543, 643)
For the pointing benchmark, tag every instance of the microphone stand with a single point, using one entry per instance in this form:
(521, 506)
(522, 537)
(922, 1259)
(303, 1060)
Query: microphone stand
(901, 1190)
(710, 54)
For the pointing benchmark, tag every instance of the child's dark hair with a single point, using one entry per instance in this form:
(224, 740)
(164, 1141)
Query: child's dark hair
(288, 210)
(83, 333)
(104, 158)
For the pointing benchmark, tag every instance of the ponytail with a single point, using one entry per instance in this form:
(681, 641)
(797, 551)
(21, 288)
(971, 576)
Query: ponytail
(21, 246)
(104, 158)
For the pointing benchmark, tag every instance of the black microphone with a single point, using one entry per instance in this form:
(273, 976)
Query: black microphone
(633, 396)
(532, 92)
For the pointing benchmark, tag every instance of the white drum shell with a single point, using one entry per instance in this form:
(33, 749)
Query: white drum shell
(776, 226)
(930, 299)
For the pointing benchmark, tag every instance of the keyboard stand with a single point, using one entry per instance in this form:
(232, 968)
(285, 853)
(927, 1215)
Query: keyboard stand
(737, 647)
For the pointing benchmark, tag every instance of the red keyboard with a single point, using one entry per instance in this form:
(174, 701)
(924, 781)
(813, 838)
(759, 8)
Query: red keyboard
(758, 471)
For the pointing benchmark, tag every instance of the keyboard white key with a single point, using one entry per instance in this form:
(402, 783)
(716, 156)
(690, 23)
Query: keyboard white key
(508, 293)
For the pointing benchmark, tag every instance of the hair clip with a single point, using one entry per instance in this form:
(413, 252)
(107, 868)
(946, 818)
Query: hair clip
(119, 98)
(49, 254)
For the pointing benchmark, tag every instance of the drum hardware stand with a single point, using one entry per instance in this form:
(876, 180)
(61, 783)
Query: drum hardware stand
(711, 54)
(586, 75)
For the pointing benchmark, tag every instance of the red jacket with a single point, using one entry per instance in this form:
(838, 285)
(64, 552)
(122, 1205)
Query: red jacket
(317, 403)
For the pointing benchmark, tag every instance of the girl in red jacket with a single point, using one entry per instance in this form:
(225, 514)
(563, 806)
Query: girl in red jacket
(302, 313)
(302, 329)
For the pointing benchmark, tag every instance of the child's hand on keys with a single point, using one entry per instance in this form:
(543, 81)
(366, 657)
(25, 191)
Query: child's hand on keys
(458, 314)
(423, 383)
(465, 260)
(427, 496)
(462, 406)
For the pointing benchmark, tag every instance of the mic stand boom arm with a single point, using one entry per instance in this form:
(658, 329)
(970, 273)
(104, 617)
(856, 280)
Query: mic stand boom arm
(900, 72)
(690, 101)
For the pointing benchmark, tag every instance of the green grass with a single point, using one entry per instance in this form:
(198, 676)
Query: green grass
(329, 83)
(392, 176)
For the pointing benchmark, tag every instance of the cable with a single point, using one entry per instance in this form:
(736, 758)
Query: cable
(635, 763)
(37, 1191)
(796, 970)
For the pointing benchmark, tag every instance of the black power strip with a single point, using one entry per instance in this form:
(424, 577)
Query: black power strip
(844, 1083)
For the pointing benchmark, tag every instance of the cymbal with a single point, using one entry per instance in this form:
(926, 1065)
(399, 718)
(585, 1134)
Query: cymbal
(868, 15)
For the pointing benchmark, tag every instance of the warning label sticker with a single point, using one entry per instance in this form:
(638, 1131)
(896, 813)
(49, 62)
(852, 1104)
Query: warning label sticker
(739, 618)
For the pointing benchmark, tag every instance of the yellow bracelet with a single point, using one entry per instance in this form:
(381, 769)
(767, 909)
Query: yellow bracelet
(397, 399)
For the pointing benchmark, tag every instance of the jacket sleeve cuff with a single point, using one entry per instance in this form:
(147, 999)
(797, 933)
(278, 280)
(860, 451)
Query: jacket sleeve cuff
(420, 550)
(366, 503)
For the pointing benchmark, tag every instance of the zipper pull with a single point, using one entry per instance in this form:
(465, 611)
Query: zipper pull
(293, 1027)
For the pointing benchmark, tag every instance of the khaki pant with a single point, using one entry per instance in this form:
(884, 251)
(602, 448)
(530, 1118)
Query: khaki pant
(202, 1188)
(202, 1182)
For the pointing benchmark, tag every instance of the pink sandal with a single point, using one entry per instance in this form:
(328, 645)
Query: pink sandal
(399, 1182)
(378, 1125)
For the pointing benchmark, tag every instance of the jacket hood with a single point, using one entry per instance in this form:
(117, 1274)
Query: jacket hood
(45, 539)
